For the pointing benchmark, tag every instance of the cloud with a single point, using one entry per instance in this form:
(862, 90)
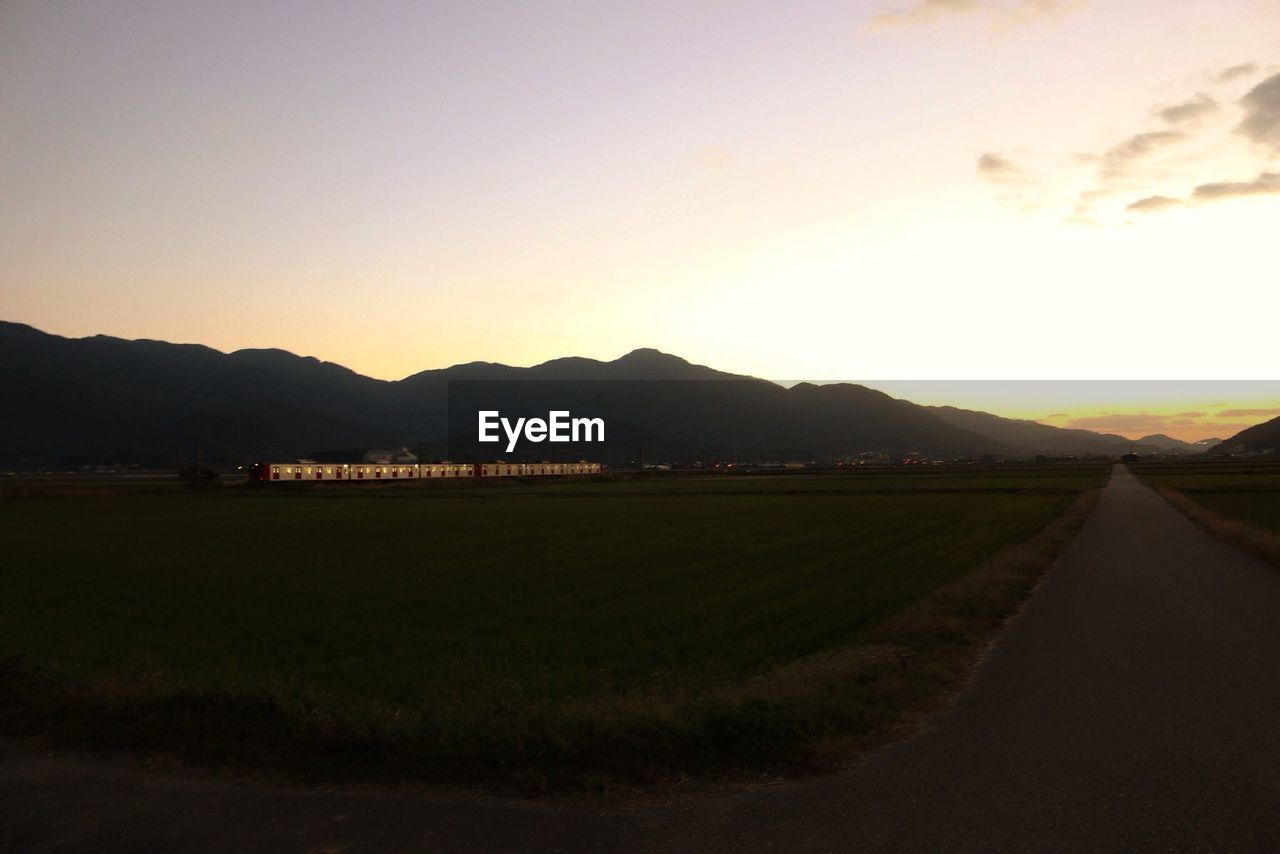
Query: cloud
(1188, 111)
(1225, 428)
(1153, 203)
(1023, 191)
(1055, 415)
(1184, 425)
(927, 11)
(1241, 70)
(1135, 424)
(923, 11)
(997, 167)
(1262, 112)
(1117, 163)
(1127, 423)
(1247, 413)
(1120, 157)
(1177, 141)
(1267, 183)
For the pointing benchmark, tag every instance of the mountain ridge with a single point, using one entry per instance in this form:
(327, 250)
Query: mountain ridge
(1259, 438)
(108, 399)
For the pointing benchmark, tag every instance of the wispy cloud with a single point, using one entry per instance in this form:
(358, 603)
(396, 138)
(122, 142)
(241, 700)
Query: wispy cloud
(997, 167)
(1261, 124)
(1137, 424)
(1192, 110)
(1248, 413)
(1127, 423)
(1262, 113)
(927, 11)
(1151, 204)
(923, 11)
(1022, 189)
(1181, 142)
(1118, 159)
(1267, 183)
(1244, 69)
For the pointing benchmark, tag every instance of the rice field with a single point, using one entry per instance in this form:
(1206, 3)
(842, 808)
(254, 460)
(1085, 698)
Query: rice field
(625, 627)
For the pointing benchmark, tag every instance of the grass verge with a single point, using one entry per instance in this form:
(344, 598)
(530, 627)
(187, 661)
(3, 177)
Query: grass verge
(807, 713)
(1251, 539)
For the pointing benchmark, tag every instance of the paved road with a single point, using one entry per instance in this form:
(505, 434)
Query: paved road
(1134, 704)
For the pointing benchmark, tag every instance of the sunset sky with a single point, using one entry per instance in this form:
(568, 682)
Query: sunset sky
(928, 189)
(1186, 410)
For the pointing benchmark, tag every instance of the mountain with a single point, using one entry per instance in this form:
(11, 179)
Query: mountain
(1032, 437)
(103, 400)
(107, 400)
(1206, 444)
(1168, 443)
(1260, 438)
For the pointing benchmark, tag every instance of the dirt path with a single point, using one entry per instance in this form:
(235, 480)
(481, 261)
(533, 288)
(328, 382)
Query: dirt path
(1134, 704)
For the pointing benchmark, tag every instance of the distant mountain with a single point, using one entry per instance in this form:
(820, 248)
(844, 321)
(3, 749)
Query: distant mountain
(103, 400)
(1168, 443)
(1032, 437)
(106, 400)
(1256, 439)
(1206, 444)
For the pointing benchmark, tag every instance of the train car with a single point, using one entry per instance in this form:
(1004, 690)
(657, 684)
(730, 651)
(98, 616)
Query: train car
(272, 472)
(459, 470)
(503, 469)
(309, 470)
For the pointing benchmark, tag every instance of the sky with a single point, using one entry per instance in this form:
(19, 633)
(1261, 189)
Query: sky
(1187, 410)
(914, 190)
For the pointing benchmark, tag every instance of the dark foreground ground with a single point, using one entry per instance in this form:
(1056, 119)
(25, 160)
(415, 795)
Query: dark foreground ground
(1131, 706)
(523, 637)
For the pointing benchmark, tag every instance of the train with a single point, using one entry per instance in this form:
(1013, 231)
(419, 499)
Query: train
(311, 471)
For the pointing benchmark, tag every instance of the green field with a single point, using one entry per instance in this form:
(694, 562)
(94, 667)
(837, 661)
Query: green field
(469, 632)
(1246, 491)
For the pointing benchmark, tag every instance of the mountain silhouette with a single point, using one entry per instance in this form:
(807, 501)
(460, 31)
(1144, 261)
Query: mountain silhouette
(1168, 443)
(1032, 437)
(104, 400)
(1255, 439)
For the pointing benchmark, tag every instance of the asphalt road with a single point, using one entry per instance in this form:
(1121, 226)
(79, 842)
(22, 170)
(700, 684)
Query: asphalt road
(1134, 704)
